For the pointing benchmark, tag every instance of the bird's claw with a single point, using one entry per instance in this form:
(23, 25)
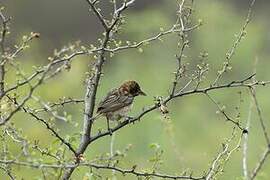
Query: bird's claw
(128, 119)
(110, 131)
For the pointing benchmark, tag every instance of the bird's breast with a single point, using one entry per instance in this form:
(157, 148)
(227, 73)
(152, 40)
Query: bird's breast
(124, 111)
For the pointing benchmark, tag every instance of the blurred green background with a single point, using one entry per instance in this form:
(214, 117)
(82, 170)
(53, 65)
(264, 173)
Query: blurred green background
(193, 133)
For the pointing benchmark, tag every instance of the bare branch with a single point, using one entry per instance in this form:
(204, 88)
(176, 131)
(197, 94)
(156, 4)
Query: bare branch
(62, 103)
(260, 164)
(3, 51)
(219, 162)
(173, 29)
(7, 172)
(132, 171)
(233, 84)
(92, 86)
(48, 126)
(245, 143)
(236, 43)
(98, 14)
(221, 110)
(245, 135)
(64, 165)
(124, 6)
(46, 69)
(256, 103)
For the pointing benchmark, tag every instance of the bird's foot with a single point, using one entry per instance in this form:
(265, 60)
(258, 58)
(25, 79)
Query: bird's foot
(128, 119)
(110, 131)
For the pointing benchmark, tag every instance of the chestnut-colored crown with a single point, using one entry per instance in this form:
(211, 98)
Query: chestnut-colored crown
(131, 88)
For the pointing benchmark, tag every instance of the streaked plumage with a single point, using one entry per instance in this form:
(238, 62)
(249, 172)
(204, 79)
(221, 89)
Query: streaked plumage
(114, 103)
(118, 102)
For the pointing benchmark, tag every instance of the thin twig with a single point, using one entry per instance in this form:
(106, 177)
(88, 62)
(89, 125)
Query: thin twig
(258, 108)
(260, 164)
(131, 171)
(236, 43)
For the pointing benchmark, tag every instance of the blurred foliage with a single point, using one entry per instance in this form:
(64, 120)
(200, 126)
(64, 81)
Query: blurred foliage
(193, 133)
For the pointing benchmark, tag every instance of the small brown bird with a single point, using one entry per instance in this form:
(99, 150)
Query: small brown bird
(118, 101)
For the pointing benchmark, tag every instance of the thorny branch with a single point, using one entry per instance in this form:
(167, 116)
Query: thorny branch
(110, 26)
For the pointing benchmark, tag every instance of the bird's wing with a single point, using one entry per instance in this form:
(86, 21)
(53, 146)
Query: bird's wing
(113, 102)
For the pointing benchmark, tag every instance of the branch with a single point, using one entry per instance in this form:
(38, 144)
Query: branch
(55, 62)
(144, 174)
(256, 103)
(245, 135)
(98, 14)
(260, 164)
(222, 158)
(124, 6)
(8, 173)
(178, 72)
(69, 146)
(91, 89)
(225, 114)
(173, 29)
(48, 109)
(45, 71)
(131, 171)
(63, 102)
(48, 126)
(233, 84)
(266, 136)
(236, 43)
(31, 91)
(245, 143)
(3, 52)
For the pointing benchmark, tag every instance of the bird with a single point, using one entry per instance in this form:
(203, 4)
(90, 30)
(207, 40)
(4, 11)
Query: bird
(118, 102)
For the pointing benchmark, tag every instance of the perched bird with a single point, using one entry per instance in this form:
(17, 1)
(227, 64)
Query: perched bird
(118, 102)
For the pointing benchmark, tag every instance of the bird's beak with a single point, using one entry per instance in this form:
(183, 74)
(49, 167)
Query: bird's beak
(142, 93)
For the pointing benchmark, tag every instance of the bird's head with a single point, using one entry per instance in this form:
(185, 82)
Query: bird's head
(131, 88)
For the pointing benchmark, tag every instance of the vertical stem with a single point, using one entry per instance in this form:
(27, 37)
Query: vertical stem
(2, 44)
(245, 144)
(2, 80)
(93, 82)
(90, 98)
(112, 151)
